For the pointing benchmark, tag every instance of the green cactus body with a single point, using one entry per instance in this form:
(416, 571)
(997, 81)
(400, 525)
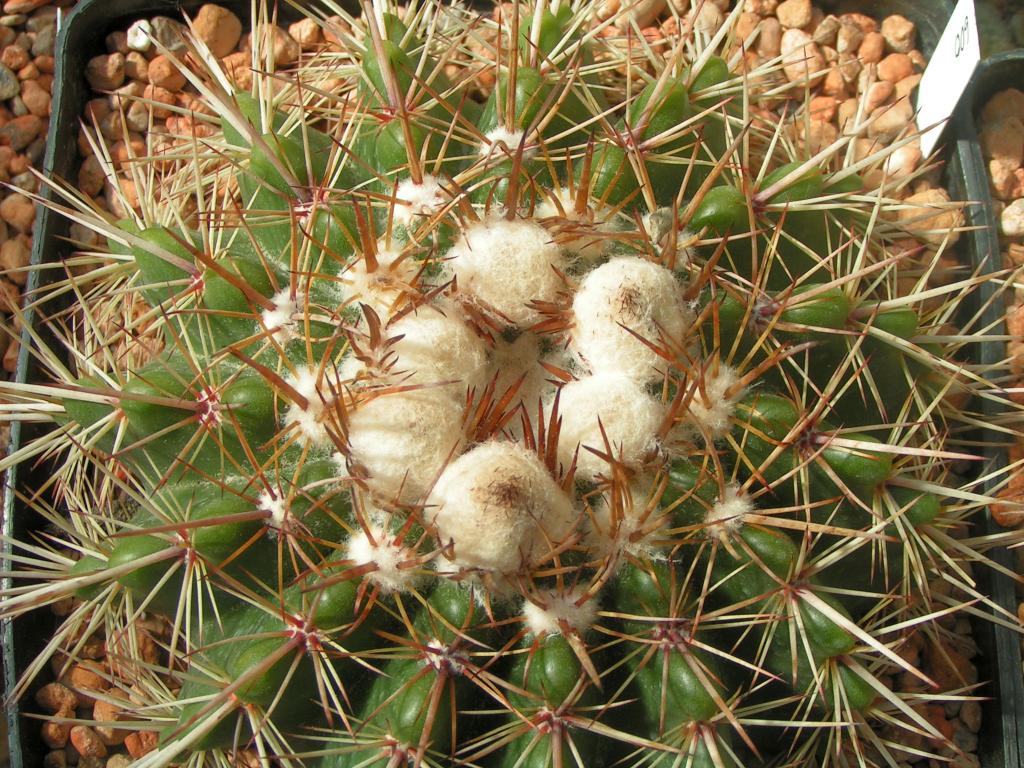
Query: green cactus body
(408, 709)
(165, 262)
(657, 111)
(723, 211)
(673, 682)
(156, 584)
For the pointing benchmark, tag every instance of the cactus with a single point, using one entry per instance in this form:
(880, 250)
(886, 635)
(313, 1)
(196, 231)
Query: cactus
(581, 424)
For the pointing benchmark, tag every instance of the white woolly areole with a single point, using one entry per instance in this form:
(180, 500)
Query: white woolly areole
(403, 440)
(431, 345)
(627, 522)
(545, 614)
(278, 515)
(502, 135)
(630, 417)
(340, 462)
(353, 370)
(281, 320)
(315, 387)
(619, 301)
(449, 660)
(589, 245)
(425, 199)
(730, 510)
(379, 548)
(506, 265)
(379, 289)
(437, 346)
(500, 508)
(711, 409)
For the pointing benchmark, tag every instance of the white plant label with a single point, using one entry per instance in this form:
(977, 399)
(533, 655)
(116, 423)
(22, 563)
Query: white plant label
(944, 81)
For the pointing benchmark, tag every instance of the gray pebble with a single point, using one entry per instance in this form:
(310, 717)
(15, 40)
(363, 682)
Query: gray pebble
(80, 233)
(168, 33)
(970, 715)
(26, 181)
(966, 740)
(13, 20)
(41, 21)
(21, 132)
(40, 24)
(36, 151)
(9, 85)
(45, 42)
(117, 42)
(24, 40)
(965, 761)
(18, 107)
(112, 126)
(952, 708)
(137, 117)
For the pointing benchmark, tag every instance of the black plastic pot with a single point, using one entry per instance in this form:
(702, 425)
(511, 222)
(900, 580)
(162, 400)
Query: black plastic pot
(82, 37)
(1001, 740)
(995, 74)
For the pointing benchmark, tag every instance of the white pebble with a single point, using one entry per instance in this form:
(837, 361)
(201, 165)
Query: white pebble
(140, 36)
(1011, 221)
